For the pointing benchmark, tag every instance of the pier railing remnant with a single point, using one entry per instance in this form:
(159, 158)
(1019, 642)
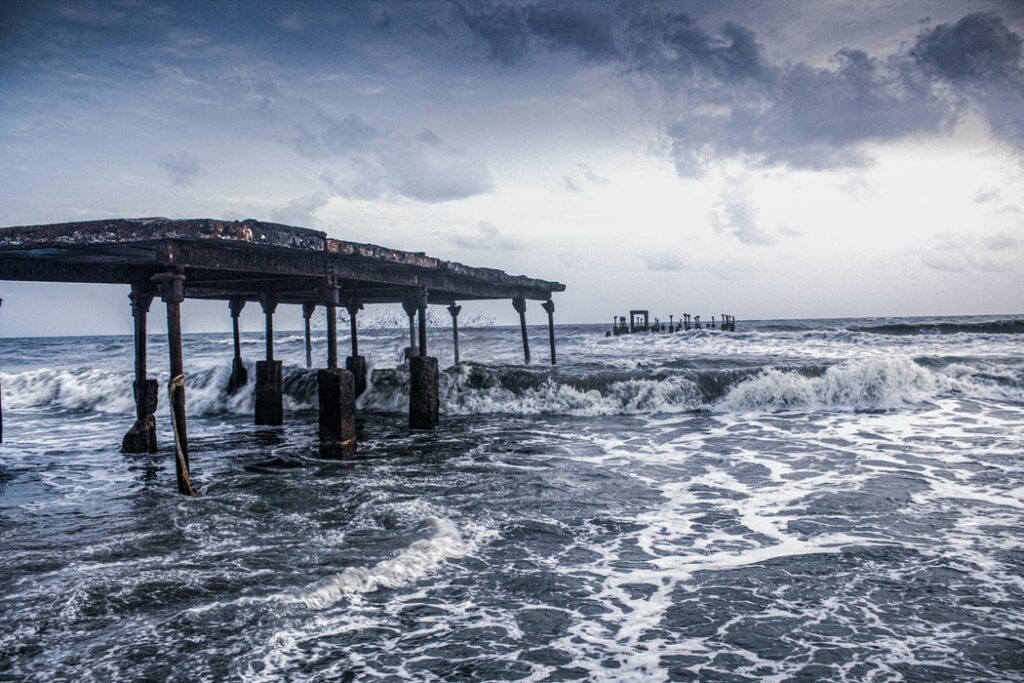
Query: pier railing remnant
(272, 264)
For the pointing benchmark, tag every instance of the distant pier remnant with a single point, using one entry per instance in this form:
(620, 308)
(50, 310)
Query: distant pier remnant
(639, 322)
(269, 263)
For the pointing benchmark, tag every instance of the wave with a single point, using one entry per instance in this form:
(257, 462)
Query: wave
(987, 327)
(410, 564)
(869, 383)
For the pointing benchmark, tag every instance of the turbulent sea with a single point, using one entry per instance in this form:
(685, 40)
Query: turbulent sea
(822, 500)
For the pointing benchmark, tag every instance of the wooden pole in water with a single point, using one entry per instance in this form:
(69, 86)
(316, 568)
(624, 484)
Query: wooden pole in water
(519, 303)
(239, 373)
(331, 299)
(454, 310)
(549, 307)
(307, 313)
(173, 293)
(141, 438)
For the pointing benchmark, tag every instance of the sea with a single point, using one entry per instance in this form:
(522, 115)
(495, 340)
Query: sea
(798, 500)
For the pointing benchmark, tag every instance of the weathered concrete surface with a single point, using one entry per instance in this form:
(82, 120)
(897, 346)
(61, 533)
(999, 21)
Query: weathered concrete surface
(424, 406)
(269, 393)
(336, 390)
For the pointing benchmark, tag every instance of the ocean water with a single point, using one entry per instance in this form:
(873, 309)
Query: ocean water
(835, 500)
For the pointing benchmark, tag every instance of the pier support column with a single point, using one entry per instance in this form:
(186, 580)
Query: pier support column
(239, 374)
(355, 363)
(410, 308)
(336, 391)
(424, 406)
(141, 438)
(172, 291)
(519, 304)
(307, 313)
(331, 298)
(269, 375)
(549, 308)
(454, 310)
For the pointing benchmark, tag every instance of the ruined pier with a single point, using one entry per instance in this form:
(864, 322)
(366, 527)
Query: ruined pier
(268, 264)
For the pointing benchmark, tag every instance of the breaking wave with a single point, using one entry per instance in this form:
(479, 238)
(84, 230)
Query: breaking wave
(871, 383)
(1015, 326)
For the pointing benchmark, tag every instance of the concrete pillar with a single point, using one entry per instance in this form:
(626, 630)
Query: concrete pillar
(269, 374)
(410, 307)
(337, 429)
(172, 291)
(239, 374)
(307, 313)
(454, 311)
(424, 406)
(519, 304)
(141, 438)
(549, 308)
(355, 363)
(331, 299)
(421, 305)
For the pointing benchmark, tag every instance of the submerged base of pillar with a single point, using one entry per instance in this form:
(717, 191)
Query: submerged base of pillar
(239, 376)
(336, 389)
(423, 393)
(410, 352)
(141, 438)
(269, 393)
(357, 366)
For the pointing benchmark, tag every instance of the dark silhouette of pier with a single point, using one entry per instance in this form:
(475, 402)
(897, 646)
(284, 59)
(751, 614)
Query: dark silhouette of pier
(268, 264)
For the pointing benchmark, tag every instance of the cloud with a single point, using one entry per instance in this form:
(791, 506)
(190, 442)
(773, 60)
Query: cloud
(735, 216)
(1000, 241)
(953, 253)
(510, 32)
(370, 162)
(182, 167)
(986, 194)
(300, 210)
(663, 262)
(486, 236)
(581, 176)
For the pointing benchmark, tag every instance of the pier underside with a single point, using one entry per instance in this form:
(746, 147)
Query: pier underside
(272, 264)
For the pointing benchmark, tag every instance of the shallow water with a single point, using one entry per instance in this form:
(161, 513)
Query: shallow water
(798, 500)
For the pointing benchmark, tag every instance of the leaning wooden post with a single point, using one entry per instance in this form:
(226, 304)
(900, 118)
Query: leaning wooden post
(172, 291)
(239, 374)
(336, 392)
(549, 307)
(307, 313)
(424, 406)
(269, 375)
(409, 306)
(141, 438)
(355, 363)
(519, 303)
(455, 310)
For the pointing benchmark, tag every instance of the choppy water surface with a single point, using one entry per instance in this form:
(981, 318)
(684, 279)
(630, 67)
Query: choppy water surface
(811, 500)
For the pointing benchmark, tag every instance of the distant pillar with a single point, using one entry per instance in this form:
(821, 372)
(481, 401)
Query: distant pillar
(307, 313)
(410, 308)
(355, 363)
(454, 311)
(269, 374)
(239, 374)
(696, 322)
(424, 405)
(519, 303)
(173, 293)
(671, 324)
(141, 438)
(549, 307)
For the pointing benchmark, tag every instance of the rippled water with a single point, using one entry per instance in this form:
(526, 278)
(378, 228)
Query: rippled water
(798, 500)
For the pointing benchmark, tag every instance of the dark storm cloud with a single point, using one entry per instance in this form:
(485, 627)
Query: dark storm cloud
(509, 32)
(374, 162)
(182, 167)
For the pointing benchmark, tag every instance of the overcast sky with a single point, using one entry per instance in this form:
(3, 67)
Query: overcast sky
(763, 159)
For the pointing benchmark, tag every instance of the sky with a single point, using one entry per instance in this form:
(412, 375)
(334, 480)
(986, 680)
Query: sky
(763, 159)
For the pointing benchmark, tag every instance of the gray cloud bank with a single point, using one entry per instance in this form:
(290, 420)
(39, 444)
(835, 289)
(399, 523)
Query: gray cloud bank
(724, 98)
